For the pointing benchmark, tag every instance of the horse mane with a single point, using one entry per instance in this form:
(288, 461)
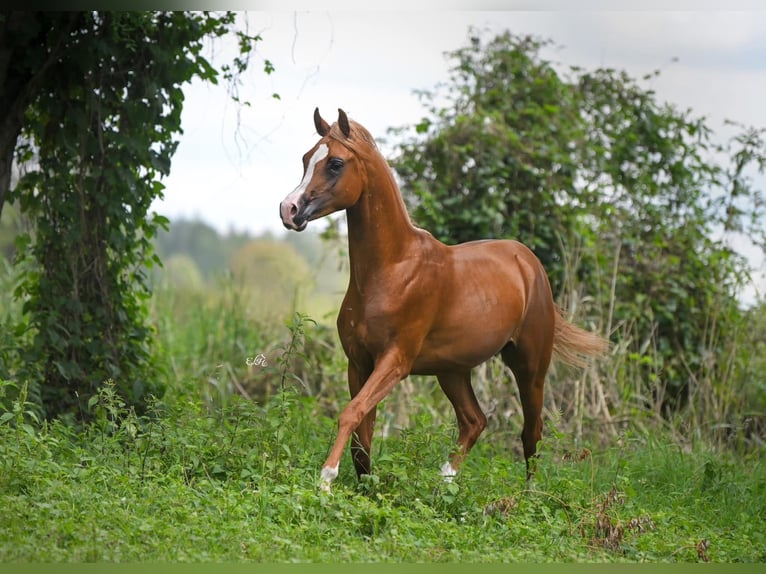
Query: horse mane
(358, 139)
(361, 143)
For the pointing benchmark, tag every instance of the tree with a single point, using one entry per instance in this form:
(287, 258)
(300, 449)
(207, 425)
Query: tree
(664, 208)
(497, 160)
(592, 162)
(93, 106)
(30, 45)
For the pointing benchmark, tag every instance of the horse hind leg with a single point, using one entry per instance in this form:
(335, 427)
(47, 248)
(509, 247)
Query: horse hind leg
(470, 418)
(361, 439)
(529, 364)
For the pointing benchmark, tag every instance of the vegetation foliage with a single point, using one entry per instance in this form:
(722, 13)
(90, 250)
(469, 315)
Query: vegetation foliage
(194, 481)
(205, 396)
(629, 202)
(96, 98)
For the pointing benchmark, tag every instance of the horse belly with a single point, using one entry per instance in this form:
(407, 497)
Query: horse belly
(481, 315)
(462, 347)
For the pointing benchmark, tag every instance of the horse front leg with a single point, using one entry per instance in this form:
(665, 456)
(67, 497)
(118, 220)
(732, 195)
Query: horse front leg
(389, 370)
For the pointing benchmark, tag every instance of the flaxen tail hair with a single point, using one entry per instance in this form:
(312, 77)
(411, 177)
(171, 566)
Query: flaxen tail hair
(573, 345)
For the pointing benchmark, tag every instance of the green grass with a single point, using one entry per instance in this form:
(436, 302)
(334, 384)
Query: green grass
(205, 475)
(188, 482)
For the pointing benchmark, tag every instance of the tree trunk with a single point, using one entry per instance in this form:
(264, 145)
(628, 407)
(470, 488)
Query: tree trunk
(30, 43)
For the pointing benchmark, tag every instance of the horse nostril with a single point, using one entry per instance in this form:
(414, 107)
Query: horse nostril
(293, 210)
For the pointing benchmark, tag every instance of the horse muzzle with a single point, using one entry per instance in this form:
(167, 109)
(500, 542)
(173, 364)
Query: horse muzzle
(293, 216)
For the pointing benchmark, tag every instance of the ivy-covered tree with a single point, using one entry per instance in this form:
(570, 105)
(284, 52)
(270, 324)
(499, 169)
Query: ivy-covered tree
(592, 164)
(92, 109)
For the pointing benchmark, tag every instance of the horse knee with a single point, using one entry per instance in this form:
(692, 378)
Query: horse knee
(350, 418)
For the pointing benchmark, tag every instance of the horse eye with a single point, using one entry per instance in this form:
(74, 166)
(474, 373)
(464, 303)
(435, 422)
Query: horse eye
(334, 165)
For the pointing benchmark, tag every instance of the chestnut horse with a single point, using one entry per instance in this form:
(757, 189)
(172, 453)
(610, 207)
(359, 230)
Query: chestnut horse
(417, 306)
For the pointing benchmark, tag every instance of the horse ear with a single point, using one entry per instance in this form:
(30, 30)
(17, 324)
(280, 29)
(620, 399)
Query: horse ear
(345, 127)
(323, 128)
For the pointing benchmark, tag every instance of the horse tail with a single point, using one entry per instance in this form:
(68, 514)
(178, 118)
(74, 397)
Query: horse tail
(573, 345)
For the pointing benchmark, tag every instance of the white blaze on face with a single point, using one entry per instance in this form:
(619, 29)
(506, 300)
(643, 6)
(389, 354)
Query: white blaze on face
(448, 472)
(320, 153)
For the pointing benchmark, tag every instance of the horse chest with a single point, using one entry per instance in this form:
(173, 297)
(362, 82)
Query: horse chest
(370, 327)
(360, 329)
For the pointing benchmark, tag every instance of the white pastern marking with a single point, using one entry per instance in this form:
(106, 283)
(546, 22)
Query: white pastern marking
(329, 473)
(448, 472)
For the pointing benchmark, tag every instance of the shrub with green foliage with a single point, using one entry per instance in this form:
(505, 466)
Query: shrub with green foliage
(627, 201)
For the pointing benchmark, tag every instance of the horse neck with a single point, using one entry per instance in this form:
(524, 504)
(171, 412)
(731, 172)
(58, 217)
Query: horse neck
(379, 227)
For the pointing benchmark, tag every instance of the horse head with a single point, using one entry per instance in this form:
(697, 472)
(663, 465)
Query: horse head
(332, 175)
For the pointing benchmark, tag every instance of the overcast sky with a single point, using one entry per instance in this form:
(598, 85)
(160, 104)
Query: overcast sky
(233, 166)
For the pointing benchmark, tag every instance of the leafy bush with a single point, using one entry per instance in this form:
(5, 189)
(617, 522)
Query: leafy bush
(627, 201)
